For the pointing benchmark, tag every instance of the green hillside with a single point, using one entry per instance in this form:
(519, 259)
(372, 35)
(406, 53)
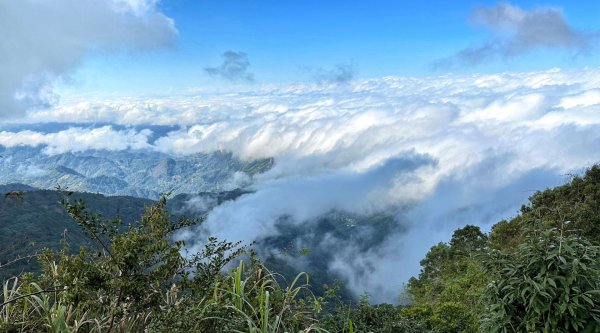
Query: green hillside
(37, 220)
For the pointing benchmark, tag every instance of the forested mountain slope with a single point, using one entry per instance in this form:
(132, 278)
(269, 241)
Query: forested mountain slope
(36, 220)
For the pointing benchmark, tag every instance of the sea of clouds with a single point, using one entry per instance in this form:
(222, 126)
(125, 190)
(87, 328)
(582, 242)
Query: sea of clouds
(439, 151)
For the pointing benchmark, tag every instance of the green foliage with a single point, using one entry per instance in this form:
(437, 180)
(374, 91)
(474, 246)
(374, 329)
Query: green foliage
(443, 317)
(264, 306)
(365, 317)
(447, 291)
(549, 284)
(506, 234)
(247, 300)
(468, 241)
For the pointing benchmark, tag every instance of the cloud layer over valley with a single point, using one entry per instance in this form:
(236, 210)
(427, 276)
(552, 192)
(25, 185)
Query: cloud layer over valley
(435, 153)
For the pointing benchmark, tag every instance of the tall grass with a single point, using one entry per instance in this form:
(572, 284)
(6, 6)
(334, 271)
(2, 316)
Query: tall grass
(26, 307)
(264, 306)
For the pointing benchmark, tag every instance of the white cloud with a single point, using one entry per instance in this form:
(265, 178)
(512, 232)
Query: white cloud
(138, 7)
(44, 40)
(307, 197)
(79, 139)
(33, 171)
(515, 31)
(586, 98)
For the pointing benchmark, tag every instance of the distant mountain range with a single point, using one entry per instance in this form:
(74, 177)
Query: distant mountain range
(143, 174)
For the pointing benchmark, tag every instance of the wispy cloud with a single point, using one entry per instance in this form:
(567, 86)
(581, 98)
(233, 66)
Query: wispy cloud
(235, 67)
(515, 31)
(44, 40)
(340, 74)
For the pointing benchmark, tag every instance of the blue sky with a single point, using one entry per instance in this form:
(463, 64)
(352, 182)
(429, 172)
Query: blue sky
(285, 41)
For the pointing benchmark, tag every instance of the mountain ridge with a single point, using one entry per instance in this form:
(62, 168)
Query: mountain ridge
(144, 174)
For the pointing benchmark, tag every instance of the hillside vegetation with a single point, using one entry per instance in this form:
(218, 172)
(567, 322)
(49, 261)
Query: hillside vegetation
(36, 220)
(537, 272)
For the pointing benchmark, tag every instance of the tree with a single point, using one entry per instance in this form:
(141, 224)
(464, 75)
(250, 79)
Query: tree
(447, 291)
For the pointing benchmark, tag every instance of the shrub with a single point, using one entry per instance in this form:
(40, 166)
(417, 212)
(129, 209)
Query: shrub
(550, 283)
